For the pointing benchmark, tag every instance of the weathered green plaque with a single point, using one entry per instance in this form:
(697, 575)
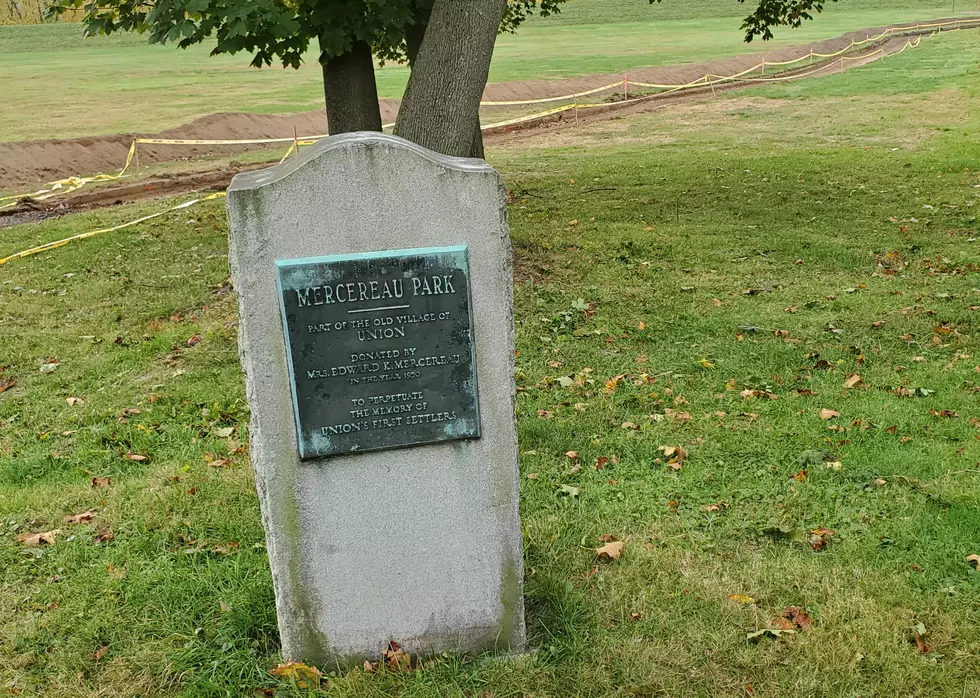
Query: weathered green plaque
(380, 349)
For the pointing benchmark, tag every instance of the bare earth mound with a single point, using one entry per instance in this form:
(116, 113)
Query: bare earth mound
(29, 163)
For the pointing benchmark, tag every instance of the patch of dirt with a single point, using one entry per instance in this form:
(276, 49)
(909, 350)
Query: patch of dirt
(32, 163)
(26, 164)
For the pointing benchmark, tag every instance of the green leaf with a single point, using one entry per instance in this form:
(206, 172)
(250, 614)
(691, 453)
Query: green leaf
(569, 490)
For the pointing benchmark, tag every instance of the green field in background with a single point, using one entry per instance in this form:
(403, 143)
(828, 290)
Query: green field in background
(57, 84)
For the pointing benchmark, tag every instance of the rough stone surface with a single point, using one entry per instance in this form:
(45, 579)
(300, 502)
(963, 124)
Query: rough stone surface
(419, 545)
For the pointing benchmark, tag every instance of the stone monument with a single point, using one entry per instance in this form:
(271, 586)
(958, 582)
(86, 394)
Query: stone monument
(375, 296)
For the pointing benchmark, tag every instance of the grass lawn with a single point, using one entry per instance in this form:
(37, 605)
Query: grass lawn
(695, 286)
(57, 84)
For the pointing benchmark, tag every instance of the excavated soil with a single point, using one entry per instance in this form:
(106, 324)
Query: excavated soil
(24, 164)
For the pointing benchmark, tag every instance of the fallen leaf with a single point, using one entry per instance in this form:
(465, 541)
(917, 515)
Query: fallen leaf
(611, 551)
(573, 455)
(974, 560)
(194, 341)
(224, 432)
(767, 632)
(103, 535)
(219, 463)
(741, 599)
(798, 617)
(637, 615)
(136, 457)
(397, 659)
(829, 414)
(613, 382)
(84, 517)
(49, 367)
(33, 540)
(629, 425)
(800, 476)
(101, 652)
(783, 624)
(101, 481)
(72, 401)
(920, 638)
(302, 675)
(568, 490)
(948, 414)
(820, 537)
(600, 462)
(7, 385)
(852, 380)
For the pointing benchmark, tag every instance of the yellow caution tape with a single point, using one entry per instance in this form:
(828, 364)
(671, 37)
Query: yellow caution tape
(70, 184)
(61, 243)
(543, 100)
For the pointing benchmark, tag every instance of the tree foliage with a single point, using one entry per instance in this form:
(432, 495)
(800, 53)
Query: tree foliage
(770, 13)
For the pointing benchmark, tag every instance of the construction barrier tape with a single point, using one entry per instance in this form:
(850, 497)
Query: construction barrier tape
(70, 184)
(61, 243)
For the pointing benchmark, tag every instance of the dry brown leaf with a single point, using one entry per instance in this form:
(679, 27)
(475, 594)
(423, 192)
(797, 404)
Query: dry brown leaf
(7, 385)
(103, 535)
(101, 481)
(573, 455)
(33, 540)
(84, 517)
(974, 560)
(829, 414)
(397, 659)
(101, 652)
(852, 380)
(136, 457)
(783, 624)
(611, 551)
(798, 617)
(612, 383)
(629, 425)
(72, 401)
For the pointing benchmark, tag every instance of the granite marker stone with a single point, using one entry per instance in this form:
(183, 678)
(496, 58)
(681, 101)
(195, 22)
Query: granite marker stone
(413, 542)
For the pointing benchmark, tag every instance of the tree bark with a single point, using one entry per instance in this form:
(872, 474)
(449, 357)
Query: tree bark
(351, 91)
(441, 106)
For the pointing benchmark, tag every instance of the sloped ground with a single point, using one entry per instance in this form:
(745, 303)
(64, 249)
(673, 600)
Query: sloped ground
(747, 349)
(29, 163)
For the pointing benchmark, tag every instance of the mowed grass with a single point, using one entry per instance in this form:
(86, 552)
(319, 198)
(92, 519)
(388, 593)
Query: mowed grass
(706, 278)
(58, 84)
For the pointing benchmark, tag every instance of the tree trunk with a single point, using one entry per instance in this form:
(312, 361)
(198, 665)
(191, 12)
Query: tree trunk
(351, 91)
(441, 106)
